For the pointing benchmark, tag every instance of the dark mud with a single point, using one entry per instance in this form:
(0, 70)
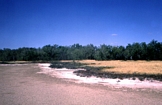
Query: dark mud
(96, 71)
(113, 75)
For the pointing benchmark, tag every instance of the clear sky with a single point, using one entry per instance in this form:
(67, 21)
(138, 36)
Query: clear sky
(35, 23)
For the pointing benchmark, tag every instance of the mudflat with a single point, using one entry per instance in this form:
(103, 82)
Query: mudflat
(20, 84)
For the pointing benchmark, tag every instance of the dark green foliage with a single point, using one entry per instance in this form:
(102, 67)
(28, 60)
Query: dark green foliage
(135, 51)
(68, 65)
(76, 65)
(118, 53)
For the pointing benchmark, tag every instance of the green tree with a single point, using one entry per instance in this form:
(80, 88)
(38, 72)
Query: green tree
(104, 52)
(6, 54)
(143, 46)
(154, 50)
(118, 53)
(89, 51)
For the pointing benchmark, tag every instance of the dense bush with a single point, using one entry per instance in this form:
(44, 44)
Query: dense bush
(135, 51)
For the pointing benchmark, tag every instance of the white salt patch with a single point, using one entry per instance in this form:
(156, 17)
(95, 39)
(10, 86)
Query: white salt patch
(68, 73)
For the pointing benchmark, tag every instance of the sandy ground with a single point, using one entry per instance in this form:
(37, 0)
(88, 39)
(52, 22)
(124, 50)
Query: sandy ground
(22, 85)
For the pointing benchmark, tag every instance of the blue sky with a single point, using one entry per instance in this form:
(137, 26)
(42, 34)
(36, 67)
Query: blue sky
(35, 23)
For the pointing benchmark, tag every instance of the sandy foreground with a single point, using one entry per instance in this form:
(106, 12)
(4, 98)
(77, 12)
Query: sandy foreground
(37, 84)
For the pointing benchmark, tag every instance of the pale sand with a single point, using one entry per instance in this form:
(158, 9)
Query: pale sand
(22, 85)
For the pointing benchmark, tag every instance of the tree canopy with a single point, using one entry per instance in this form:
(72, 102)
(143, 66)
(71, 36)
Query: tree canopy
(135, 51)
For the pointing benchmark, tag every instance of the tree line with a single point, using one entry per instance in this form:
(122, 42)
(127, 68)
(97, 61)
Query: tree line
(135, 51)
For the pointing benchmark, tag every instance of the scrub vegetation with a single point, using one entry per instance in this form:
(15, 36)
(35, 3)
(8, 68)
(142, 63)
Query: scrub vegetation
(77, 65)
(142, 70)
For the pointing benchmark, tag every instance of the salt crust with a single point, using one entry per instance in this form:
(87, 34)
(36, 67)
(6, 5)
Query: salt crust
(68, 73)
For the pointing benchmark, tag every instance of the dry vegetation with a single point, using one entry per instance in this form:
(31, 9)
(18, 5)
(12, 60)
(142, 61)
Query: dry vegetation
(128, 67)
(117, 66)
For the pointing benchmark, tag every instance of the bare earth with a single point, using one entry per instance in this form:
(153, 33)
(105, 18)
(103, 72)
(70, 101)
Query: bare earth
(22, 85)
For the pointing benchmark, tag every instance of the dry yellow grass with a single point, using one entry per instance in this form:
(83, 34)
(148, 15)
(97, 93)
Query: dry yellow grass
(142, 67)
